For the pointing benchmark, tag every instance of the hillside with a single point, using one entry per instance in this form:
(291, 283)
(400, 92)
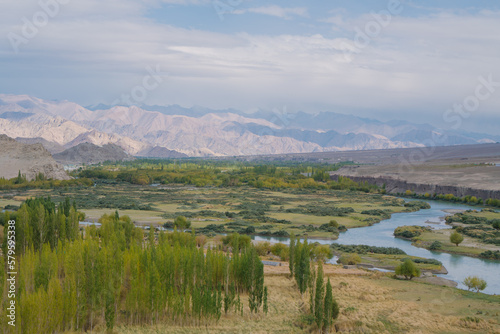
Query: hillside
(30, 159)
(87, 153)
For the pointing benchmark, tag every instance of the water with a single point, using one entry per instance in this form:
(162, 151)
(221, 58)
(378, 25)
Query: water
(381, 234)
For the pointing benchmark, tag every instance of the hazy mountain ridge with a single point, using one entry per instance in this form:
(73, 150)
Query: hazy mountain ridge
(201, 131)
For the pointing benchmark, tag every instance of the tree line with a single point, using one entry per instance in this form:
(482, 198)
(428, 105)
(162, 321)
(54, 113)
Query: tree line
(71, 281)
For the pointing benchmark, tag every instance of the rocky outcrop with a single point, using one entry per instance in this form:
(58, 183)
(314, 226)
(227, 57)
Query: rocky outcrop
(29, 159)
(399, 186)
(87, 153)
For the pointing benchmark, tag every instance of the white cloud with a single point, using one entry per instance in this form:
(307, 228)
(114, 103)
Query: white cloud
(277, 11)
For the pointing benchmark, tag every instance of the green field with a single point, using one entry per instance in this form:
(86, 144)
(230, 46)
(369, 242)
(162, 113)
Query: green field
(301, 211)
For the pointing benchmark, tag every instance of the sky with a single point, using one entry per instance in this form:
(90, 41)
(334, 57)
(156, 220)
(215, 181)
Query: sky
(423, 61)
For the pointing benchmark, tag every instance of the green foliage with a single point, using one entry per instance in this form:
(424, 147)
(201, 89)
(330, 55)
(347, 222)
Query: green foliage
(269, 175)
(281, 250)
(292, 253)
(456, 238)
(321, 252)
(182, 223)
(319, 296)
(302, 269)
(417, 205)
(349, 259)
(436, 245)
(364, 249)
(408, 269)
(410, 232)
(475, 283)
(112, 274)
(494, 255)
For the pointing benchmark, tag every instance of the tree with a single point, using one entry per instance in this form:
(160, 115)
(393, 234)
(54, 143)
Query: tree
(319, 297)
(331, 308)
(265, 308)
(333, 223)
(474, 282)
(456, 238)
(292, 253)
(496, 224)
(408, 269)
(321, 253)
(182, 223)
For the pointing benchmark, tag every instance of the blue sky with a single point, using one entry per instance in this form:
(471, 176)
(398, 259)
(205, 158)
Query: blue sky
(415, 63)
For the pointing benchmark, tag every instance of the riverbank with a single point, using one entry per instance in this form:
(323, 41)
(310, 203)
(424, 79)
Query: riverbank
(469, 247)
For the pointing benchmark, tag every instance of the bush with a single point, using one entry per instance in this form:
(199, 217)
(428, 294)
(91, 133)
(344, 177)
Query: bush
(436, 245)
(410, 232)
(417, 205)
(263, 248)
(494, 255)
(408, 269)
(349, 259)
(363, 249)
(281, 250)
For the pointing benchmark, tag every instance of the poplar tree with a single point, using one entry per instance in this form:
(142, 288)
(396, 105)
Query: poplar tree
(292, 253)
(319, 297)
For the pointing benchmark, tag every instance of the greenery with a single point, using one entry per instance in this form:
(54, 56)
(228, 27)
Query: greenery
(408, 269)
(456, 238)
(417, 205)
(436, 245)
(475, 283)
(349, 259)
(69, 281)
(410, 232)
(364, 249)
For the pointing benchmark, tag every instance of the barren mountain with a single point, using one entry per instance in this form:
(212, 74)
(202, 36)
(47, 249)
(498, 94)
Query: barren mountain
(160, 152)
(30, 159)
(87, 153)
(200, 131)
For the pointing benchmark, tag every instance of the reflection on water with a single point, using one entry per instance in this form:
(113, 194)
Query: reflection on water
(381, 235)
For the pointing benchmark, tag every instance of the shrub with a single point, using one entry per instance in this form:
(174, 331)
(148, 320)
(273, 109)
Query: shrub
(263, 248)
(436, 245)
(363, 249)
(410, 232)
(408, 269)
(349, 259)
(417, 205)
(281, 250)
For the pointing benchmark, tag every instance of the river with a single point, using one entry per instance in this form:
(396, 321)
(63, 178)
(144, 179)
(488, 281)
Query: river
(381, 234)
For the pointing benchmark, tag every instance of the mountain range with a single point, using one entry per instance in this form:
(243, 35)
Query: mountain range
(174, 131)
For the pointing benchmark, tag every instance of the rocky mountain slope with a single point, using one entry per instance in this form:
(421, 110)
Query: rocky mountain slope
(88, 153)
(30, 159)
(204, 132)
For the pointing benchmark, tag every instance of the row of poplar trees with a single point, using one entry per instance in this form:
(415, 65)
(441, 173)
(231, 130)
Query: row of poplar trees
(115, 274)
(310, 279)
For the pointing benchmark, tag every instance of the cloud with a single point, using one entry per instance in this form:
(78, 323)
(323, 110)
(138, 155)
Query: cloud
(425, 63)
(277, 11)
